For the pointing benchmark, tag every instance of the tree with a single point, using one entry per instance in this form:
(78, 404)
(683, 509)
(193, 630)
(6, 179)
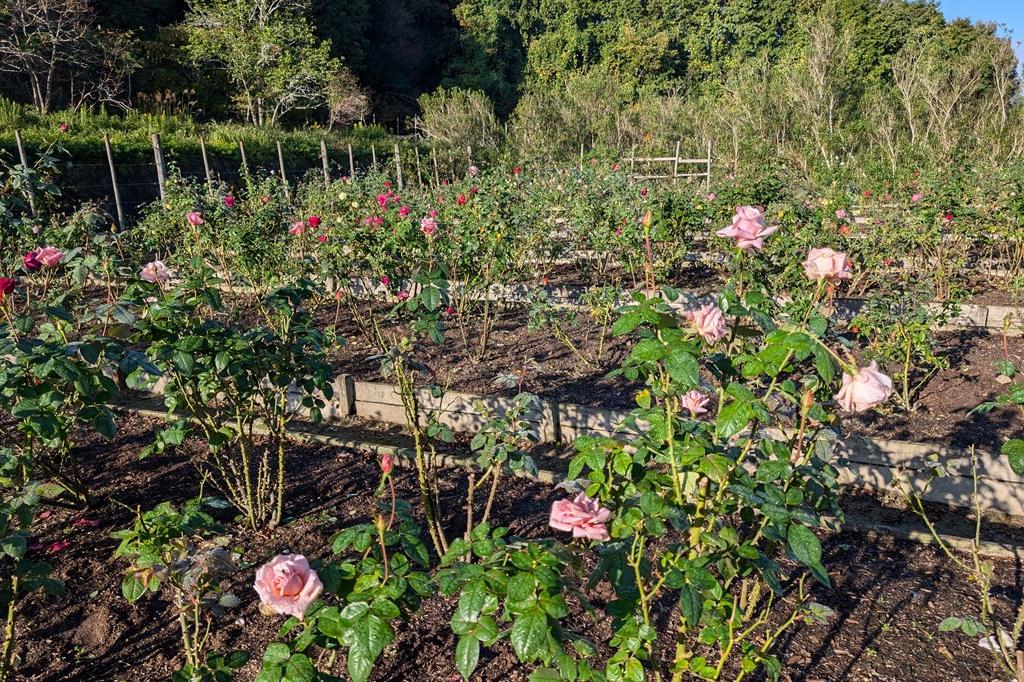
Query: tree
(41, 39)
(269, 51)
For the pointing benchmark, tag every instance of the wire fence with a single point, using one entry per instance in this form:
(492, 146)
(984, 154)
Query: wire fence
(124, 188)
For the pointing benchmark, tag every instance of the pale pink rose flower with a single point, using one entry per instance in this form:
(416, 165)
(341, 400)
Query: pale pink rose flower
(298, 228)
(828, 265)
(709, 322)
(696, 402)
(195, 219)
(50, 256)
(287, 585)
(155, 272)
(747, 228)
(584, 517)
(868, 388)
(916, 197)
(710, 196)
(428, 226)
(841, 213)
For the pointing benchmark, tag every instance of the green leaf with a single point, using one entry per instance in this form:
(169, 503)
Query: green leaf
(684, 369)
(733, 418)
(1014, 451)
(132, 587)
(950, 624)
(807, 549)
(529, 632)
(691, 604)
(300, 669)
(467, 655)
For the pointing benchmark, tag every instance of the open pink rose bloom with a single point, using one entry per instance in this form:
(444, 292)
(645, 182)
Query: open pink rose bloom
(584, 517)
(868, 388)
(709, 322)
(747, 228)
(826, 264)
(287, 585)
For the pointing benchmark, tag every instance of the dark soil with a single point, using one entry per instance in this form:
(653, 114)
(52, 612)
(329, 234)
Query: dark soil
(547, 367)
(888, 595)
(942, 412)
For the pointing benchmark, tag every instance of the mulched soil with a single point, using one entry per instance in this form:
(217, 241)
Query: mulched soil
(551, 370)
(888, 595)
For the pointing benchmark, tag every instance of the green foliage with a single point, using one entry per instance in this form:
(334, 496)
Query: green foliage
(513, 589)
(231, 375)
(268, 49)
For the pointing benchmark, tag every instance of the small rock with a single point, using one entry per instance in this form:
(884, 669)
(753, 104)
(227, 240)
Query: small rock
(1003, 379)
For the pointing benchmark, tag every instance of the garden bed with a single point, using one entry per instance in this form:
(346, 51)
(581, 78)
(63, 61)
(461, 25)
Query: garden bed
(552, 371)
(889, 595)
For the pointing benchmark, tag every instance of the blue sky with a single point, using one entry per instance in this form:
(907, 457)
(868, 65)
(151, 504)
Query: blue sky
(1008, 12)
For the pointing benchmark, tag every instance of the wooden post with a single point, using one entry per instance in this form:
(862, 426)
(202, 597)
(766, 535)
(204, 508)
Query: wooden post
(206, 163)
(437, 175)
(398, 167)
(675, 163)
(284, 175)
(24, 164)
(581, 156)
(419, 176)
(158, 158)
(351, 163)
(325, 162)
(709, 165)
(632, 159)
(373, 155)
(113, 181)
(245, 161)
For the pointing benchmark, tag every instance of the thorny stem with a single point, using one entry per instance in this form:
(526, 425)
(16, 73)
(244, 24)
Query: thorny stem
(7, 656)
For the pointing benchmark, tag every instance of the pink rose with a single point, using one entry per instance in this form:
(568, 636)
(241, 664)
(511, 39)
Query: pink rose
(322, 239)
(402, 295)
(195, 219)
(710, 196)
(709, 322)
(827, 264)
(314, 221)
(585, 517)
(229, 201)
(385, 280)
(7, 285)
(473, 171)
(643, 192)
(287, 585)
(868, 388)
(916, 197)
(461, 200)
(298, 228)
(50, 256)
(404, 211)
(428, 226)
(747, 228)
(382, 200)
(63, 127)
(387, 463)
(695, 402)
(841, 213)
(155, 272)
(31, 261)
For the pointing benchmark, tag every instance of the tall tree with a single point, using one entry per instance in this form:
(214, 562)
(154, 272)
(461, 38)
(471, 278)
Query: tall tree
(269, 51)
